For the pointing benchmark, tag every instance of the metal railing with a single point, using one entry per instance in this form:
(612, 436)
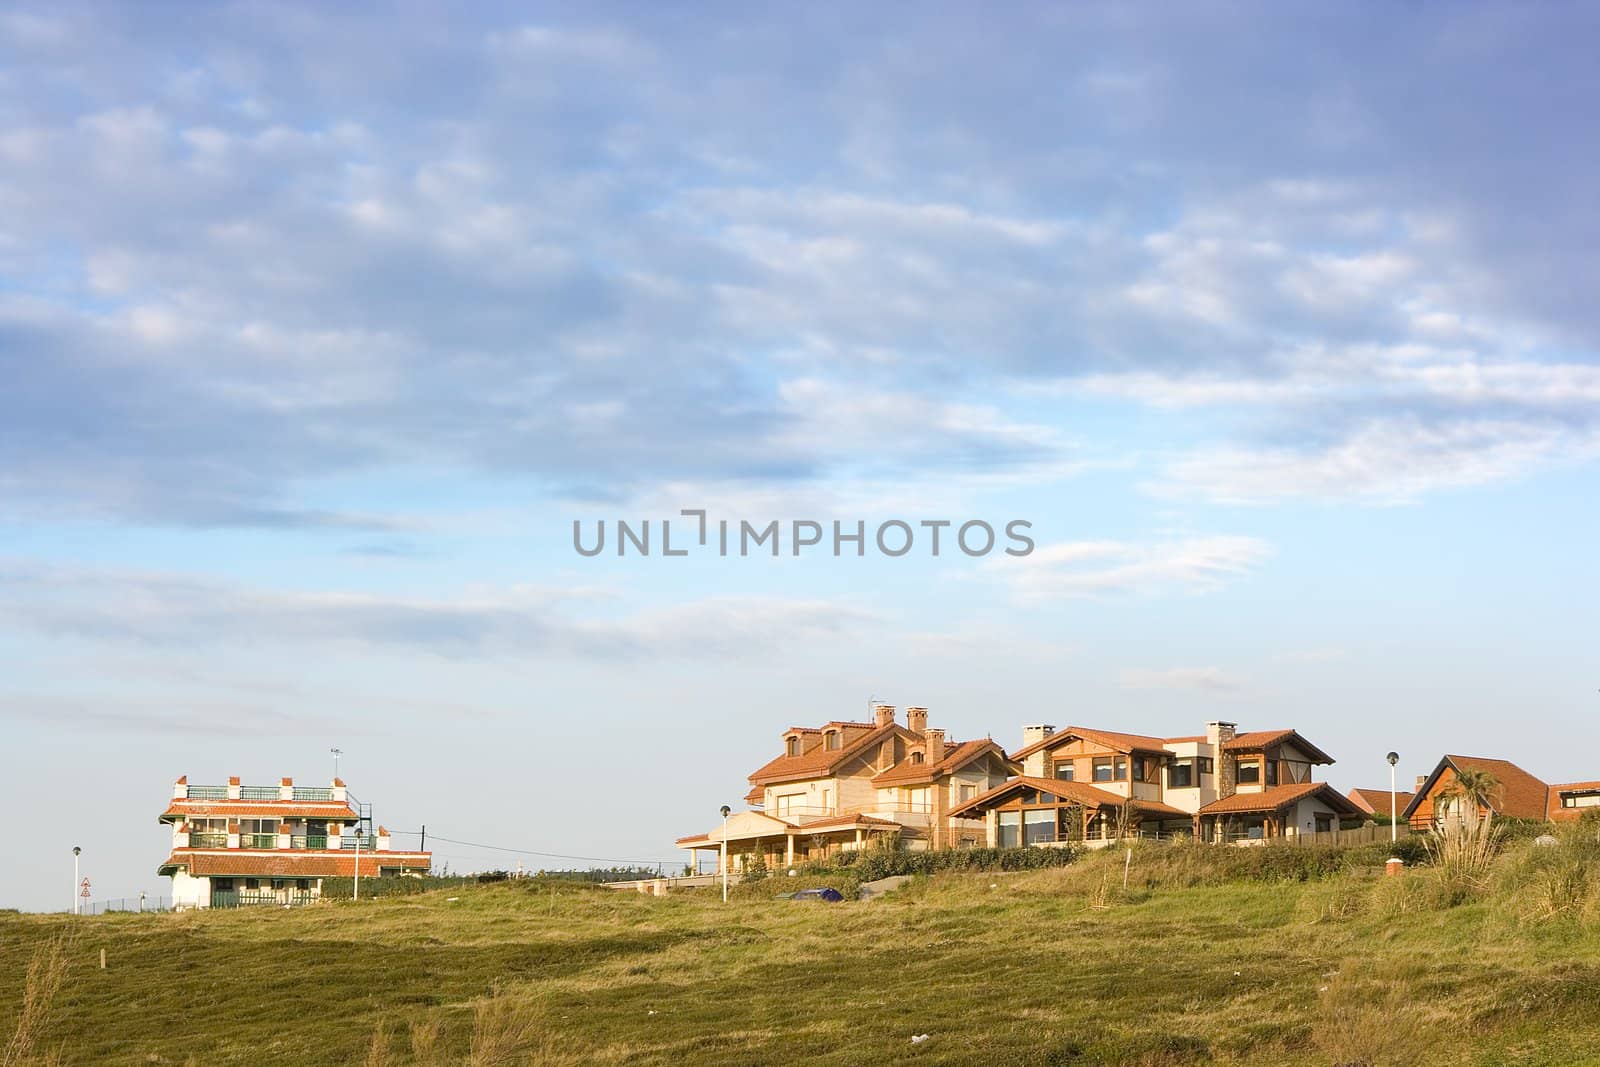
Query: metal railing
(208, 840)
(258, 792)
(258, 840)
(312, 792)
(308, 841)
(133, 904)
(208, 792)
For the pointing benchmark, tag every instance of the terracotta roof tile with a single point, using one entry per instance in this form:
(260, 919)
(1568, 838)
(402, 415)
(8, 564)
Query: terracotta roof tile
(1520, 795)
(1556, 811)
(1376, 801)
(258, 809)
(958, 756)
(1251, 740)
(1278, 797)
(821, 761)
(1109, 738)
(237, 863)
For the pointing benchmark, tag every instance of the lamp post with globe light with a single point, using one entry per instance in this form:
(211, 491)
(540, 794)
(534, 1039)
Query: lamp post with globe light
(724, 864)
(1394, 830)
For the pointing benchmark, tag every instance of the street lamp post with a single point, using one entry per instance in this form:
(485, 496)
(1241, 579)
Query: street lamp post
(76, 851)
(724, 859)
(1394, 830)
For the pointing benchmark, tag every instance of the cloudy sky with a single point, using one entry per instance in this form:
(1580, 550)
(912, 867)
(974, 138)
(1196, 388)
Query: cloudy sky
(319, 328)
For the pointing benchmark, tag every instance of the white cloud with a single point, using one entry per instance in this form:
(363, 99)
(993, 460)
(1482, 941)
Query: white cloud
(1104, 568)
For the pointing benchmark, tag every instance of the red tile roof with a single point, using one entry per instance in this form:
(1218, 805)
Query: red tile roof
(845, 822)
(1278, 797)
(1076, 792)
(258, 809)
(1109, 738)
(1520, 794)
(1376, 801)
(820, 761)
(756, 795)
(957, 756)
(1252, 740)
(239, 863)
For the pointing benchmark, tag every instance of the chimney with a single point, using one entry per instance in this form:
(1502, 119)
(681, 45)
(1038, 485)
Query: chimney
(917, 720)
(883, 715)
(1217, 735)
(935, 746)
(1034, 734)
(1422, 780)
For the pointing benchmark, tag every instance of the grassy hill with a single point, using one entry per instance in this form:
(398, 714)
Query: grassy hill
(1210, 956)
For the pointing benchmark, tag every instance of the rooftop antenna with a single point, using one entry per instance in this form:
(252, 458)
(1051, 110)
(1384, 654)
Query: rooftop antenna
(872, 706)
(337, 752)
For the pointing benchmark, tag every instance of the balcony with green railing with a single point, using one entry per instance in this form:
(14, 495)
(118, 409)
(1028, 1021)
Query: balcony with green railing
(312, 792)
(259, 792)
(308, 841)
(258, 840)
(208, 792)
(208, 840)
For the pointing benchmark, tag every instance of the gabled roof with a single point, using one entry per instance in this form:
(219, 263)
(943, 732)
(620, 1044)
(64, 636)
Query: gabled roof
(1253, 740)
(1520, 796)
(756, 795)
(1109, 738)
(1278, 797)
(821, 762)
(1376, 801)
(906, 772)
(1076, 792)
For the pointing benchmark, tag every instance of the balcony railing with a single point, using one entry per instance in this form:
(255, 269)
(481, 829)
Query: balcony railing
(244, 898)
(312, 792)
(208, 792)
(802, 811)
(258, 792)
(208, 840)
(258, 840)
(308, 841)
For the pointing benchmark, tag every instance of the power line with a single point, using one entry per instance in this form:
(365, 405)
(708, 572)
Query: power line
(535, 852)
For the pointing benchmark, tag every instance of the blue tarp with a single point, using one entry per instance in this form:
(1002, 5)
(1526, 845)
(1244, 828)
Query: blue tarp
(819, 894)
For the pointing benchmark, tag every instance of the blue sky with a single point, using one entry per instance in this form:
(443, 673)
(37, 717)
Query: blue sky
(319, 328)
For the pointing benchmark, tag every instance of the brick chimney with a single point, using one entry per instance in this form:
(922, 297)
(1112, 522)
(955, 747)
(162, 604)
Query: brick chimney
(1218, 734)
(935, 746)
(883, 715)
(1422, 780)
(917, 720)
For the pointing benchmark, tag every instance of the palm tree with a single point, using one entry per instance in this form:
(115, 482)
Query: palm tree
(1474, 790)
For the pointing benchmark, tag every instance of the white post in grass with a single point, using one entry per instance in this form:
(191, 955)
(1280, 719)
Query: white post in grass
(1394, 830)
(76, 851)
(356, 891)
(724, 858)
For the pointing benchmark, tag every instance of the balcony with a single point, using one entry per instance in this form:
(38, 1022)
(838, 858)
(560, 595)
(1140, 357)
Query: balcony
(308, 841)
(312, 792)
(258, 840)
(259, 792)
(208, 792)
(208, 840)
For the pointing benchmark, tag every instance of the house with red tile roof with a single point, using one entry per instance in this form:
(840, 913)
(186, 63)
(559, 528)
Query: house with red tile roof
(241, 844)
(1571, 800)
(1377, 802)
(1519, 795)
(844, 784)
(1083, 784)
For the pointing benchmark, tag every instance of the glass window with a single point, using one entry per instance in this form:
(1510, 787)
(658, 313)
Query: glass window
(1272, 772)
(1180, 775)
(1122, 768)
(794, 746)
(1010, 829)
(832, 739)
(1138, 768)
(1249, 772)
(1207, 765)
(1064, 770)
(1038, 826)
(1102, 768)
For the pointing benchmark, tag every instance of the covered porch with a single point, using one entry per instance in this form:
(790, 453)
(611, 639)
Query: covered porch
(781, 843)
(1050, 812)
(1287, 812)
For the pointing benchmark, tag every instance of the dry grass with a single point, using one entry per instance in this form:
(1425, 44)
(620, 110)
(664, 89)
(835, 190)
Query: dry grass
(1206, 958)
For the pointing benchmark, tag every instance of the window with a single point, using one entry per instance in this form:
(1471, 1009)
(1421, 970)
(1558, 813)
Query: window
(916, 757)
(1569, 802)
(1180, 775)
(789, 803)
(258, 826)
(1010, 835)
(1138, 768)
(794, 746)
(1122, 768)
(965, 792)
(1249, 772)
(1102, 768)
(1064, 770)
(1038, 827)
(1324, 823)
(827, 801)
(1207, 765)
(1272, 772)
(831, 739)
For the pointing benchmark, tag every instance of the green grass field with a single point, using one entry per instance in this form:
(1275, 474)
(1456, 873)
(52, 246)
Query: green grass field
(1200, 961)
